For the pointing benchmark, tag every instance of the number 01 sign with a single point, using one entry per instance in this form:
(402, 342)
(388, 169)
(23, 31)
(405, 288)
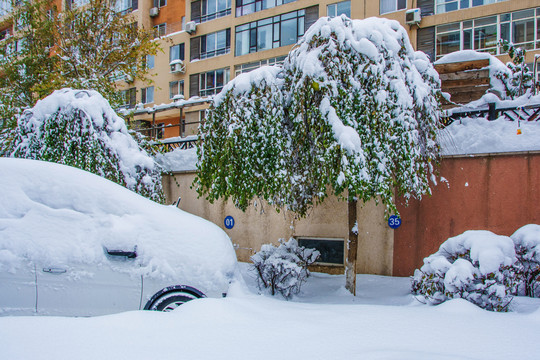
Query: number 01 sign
(394, 222)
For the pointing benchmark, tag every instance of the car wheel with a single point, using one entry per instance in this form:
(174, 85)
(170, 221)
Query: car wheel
(171, 300)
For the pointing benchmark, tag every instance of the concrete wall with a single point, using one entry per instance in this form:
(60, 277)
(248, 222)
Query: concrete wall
(499, 193)
(261, 224)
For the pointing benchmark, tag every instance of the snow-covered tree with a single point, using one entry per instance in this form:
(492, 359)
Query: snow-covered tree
(79, 47)
(353, 111)
(80, 129)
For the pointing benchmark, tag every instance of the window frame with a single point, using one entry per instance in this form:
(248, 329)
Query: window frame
(206, 15)
(395, 8)
(160, 30)
(205, 54)
(252, 6)
(459, 5)
(334, 8)
(469, 29)
(253, 28)
(205, 90)
(179, 85)
(144, 95)
(181, 52)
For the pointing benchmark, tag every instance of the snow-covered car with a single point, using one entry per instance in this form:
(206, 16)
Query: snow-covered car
(75, 244)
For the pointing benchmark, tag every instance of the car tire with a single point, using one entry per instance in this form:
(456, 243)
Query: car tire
(171, 300)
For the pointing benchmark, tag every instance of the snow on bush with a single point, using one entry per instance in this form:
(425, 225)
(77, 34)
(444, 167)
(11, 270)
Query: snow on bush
(79, 128)
(527, 245)
(476, 266)
(284, 268)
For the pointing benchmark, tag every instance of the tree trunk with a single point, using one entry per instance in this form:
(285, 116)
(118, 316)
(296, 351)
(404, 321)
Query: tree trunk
(352, 249)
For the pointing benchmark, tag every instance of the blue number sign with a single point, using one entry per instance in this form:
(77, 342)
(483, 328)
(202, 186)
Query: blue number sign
(394, 222)
(229, 222)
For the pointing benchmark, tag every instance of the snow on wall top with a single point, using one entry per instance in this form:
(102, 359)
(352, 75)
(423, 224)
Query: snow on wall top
(462, 56)
(60, 215)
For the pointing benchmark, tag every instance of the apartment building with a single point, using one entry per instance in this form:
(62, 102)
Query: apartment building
(208, 42)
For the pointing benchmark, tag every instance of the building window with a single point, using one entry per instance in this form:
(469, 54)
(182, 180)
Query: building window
(205, 10)
(443, 6)
(176, 52)
(484, 34)
(149, 61)
(244, 7)
(160, 30)
(72, 4)
(160, 3)
(211, 45)
(123, 6)
(129, 98)
(176, 88)
(244, 68)
(332, 250)
(212, 82)
(270, 33)
(147, 95)
(340, 8)
(388, 6)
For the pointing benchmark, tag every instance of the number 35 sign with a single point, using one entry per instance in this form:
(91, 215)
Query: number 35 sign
(394, 222)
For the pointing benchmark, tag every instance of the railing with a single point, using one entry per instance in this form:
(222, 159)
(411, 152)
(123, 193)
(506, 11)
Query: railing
(183, 144)
(519, 113)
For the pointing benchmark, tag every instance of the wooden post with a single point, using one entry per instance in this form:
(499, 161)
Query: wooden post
(352, 250)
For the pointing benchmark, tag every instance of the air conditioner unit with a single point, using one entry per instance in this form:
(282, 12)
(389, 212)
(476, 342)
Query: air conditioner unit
(154, 11)
(191, 27)
(177, 66)
(413, 17)
(128, 78)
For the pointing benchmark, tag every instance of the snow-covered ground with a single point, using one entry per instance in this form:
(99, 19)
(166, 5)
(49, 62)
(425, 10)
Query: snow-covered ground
(324, 322)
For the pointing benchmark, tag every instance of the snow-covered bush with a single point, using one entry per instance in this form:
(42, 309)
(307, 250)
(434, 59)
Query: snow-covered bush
(519, 80)
(79, 128)
(284, 268)
(476, 266)
(527, 245)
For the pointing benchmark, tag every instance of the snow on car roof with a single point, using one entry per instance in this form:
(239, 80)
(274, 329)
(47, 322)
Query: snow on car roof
(57, 214)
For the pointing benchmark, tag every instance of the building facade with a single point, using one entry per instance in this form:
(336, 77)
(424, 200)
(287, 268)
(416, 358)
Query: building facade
(206, 43)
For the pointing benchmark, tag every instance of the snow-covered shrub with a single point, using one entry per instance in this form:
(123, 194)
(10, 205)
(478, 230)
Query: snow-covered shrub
(519, 80)
(79, 128)
(284, 268)
(527, 245)
(476, 266)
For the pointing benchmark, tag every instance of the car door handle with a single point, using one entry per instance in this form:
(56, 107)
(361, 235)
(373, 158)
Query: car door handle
(128, 254)
(54, 270)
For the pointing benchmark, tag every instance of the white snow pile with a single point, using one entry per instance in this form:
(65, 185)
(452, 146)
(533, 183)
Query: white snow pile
(383, 322)
(178, 160)
(51, 213)
(476, 266)
(481, 136)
